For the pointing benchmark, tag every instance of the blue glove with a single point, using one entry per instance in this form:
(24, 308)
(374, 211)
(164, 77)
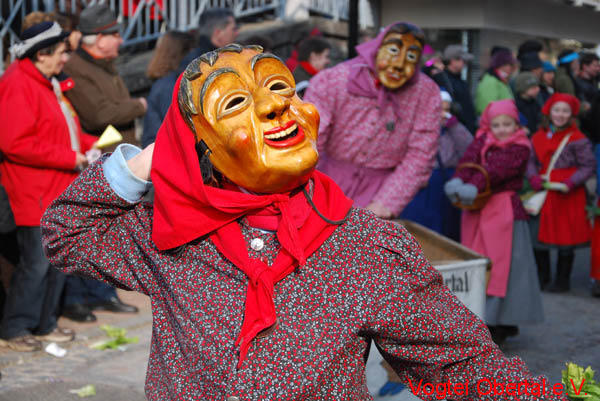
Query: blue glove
(467, 193)
(451, 187)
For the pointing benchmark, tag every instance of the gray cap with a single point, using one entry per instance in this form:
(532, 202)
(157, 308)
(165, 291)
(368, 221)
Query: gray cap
(98, 18)
(456, 51)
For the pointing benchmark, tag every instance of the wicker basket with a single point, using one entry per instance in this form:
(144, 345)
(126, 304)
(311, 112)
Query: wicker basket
(481, 198)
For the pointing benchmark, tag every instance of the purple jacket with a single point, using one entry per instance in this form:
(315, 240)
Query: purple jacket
(505, 167)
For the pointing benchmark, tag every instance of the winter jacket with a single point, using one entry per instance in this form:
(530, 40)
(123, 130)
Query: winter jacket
(101, 97)
(529, 109)
(302, 76)
(490, 88)
(161, 92)
(38, 161)
(563, 83)
(353, 129)
(505, 167)
(588, 89)
(159, 101)
(461, 94)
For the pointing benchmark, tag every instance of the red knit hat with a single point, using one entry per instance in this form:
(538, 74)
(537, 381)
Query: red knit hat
(571, 100)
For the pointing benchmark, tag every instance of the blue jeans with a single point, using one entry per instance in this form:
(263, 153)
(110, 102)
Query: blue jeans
(35, 289)
(81, 290)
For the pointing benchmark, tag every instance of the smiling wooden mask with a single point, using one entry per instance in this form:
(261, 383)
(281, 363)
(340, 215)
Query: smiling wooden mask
(243, 105)
(398, 58)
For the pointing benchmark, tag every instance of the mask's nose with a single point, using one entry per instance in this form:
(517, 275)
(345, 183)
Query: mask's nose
(269, 105)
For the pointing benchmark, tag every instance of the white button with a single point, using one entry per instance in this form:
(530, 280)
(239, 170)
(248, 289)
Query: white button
(233, 398)
(257, 244)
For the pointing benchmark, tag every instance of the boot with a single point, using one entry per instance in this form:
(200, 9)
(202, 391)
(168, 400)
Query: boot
(563, 272)
(542, 260)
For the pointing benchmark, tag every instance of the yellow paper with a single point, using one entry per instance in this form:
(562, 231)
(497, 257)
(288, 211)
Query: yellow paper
(110, 136)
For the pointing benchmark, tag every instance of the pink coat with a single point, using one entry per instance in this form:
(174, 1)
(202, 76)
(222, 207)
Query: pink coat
(354, 130)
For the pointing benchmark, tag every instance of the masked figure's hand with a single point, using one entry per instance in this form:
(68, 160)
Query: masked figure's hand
(141, 164)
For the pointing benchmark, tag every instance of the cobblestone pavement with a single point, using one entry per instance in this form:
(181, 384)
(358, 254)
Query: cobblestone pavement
(571, 332)
(117, 375)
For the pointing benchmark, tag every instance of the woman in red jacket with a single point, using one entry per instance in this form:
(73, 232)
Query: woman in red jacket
(43, 149)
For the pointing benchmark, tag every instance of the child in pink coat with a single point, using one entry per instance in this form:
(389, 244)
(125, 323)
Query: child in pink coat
(499, 230)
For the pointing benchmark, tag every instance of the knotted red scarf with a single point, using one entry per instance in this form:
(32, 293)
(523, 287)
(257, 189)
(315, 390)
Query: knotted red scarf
(186, 209)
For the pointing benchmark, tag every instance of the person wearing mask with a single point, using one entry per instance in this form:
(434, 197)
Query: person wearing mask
(100, 98)
(527, 89)
(547, 81)
(313, 56)
(494, 83)
(455, 58)
(42, 152)
(380, 122)
(217, 28)
(283, 288)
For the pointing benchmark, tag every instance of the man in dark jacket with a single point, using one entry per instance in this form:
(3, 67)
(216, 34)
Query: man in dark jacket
(100, 98)
(587, 80)
(217, 28)
(454, 59)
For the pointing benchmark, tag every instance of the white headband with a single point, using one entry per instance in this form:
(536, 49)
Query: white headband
(18, 50)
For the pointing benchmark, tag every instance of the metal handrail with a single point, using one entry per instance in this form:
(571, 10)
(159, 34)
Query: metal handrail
(143, 20)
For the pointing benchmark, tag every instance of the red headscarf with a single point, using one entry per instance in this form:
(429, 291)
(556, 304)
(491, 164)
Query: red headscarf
(493, 110)
(186, 209)
(571, 100)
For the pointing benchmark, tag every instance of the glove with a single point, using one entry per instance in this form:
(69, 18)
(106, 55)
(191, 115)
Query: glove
(536, 183)
(451, 187)
(467, 193)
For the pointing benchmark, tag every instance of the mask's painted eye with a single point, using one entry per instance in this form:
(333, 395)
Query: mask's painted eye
(278, 85)
(232, 103)
(412, 57)
(393, 50)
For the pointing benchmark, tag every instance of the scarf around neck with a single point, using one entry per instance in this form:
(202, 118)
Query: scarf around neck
(494, 109)
(186, 209)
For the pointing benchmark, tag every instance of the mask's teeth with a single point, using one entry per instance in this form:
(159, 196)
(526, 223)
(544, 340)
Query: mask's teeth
(282, 134)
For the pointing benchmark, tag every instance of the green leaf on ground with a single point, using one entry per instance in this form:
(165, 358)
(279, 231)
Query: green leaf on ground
(117, 337)
(85, 391)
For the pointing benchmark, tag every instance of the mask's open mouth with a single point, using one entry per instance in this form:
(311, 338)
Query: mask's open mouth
(283, 136)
